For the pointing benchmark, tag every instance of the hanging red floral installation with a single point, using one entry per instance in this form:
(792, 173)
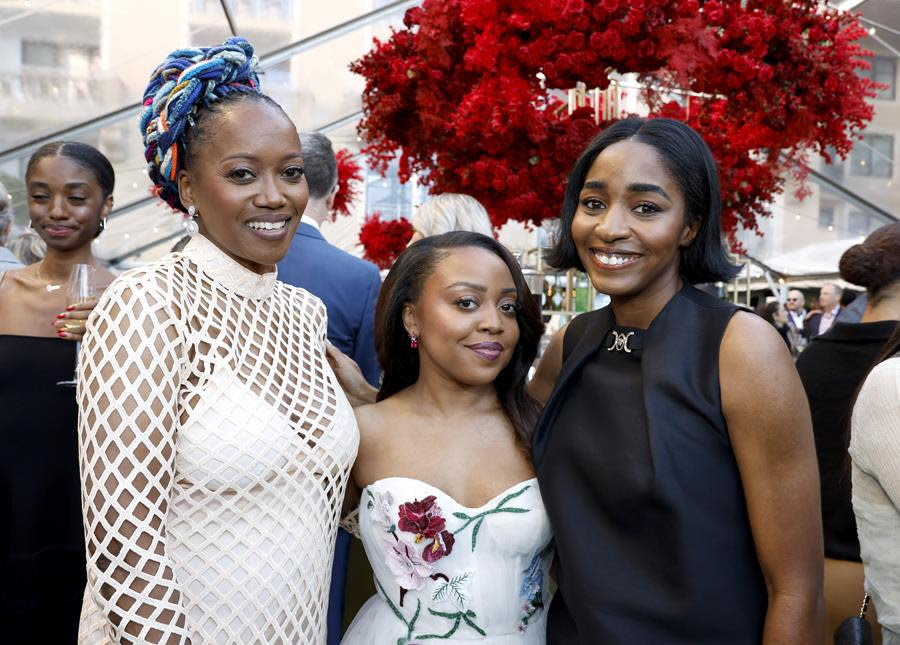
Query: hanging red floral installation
(468, 94)
(350, 176)
(384, 240)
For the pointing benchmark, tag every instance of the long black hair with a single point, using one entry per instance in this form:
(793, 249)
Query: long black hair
(690, 163)
(403, 285)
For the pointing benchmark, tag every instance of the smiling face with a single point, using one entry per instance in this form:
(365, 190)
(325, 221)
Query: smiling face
(629, 225)
(246, 182)
(65, 202)
(465, 317)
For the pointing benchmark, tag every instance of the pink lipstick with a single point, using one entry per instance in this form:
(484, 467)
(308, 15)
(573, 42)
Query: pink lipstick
(487, 351)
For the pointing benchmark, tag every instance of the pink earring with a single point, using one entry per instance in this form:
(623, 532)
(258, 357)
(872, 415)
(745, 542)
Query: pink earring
(413, 341)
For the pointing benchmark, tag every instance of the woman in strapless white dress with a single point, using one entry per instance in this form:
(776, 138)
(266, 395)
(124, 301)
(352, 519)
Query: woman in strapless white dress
(450, 514)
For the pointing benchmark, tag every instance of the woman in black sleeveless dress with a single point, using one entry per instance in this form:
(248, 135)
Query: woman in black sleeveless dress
(680, 482)
(42, 558)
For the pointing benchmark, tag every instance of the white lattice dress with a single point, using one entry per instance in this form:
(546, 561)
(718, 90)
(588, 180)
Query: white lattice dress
(215, 450)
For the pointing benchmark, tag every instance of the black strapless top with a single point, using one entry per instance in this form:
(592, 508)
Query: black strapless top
(640, 481)
(42, 560)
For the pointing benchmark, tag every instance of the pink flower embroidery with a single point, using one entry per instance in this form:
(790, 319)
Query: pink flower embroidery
(382, 507)
(408, 568)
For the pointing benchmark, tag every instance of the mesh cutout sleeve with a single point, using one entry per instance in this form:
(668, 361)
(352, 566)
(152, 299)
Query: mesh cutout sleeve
(129, 380)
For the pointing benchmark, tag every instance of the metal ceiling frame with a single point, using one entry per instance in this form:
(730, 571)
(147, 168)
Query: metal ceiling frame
(268, 60)
(228, 18)
(852, 197)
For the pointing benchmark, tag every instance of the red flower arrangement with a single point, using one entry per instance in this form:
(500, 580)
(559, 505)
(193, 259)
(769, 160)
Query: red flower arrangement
(350, 175)
(468, 94)
(383, 241)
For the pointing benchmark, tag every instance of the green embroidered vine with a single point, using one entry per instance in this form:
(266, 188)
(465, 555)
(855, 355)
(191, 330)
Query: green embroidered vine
(410, 624)
(479, 518)
(420, 517)
(457, 618)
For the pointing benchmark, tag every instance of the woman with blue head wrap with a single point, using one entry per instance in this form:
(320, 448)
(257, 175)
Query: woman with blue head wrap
(215, 443)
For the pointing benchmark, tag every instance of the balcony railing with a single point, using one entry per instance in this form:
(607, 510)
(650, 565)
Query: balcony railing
(35, 86)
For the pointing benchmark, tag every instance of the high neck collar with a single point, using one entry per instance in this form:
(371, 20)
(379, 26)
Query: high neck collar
(222, 268)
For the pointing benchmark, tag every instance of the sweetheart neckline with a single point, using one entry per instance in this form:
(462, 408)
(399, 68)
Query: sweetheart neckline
(448, 495)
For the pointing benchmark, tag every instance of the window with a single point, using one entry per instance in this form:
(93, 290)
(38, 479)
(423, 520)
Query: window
(264, 9)
(388, 197)
(858, 223)
(205, 6)
(279, 9)
(826, 217)
(835, 169)
(883, 70)
(73, 60)
(40, 54)
(873, 156)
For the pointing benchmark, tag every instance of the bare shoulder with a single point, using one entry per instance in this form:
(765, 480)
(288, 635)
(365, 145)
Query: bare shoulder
(7, 294)
(12, 279)
(369, 417)
(380, 423)
(21, 302)
(381, 431)
(756, 371)
(105, 278)
(750, 342)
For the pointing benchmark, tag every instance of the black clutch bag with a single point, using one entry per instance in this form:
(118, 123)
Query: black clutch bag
(855, 630)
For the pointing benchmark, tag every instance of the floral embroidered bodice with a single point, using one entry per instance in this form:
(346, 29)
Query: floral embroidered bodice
(447, 572)
(215, 451)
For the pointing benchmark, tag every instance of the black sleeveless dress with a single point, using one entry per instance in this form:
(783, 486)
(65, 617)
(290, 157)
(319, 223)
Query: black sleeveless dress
(42, 560)
(640, 481)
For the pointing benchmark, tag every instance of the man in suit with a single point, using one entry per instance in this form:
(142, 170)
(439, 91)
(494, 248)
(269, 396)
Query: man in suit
(796, 310)
(349, 288)
(796, 319)
(830, 302)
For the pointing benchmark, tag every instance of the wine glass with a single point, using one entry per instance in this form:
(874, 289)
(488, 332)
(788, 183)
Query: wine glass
(81, 288)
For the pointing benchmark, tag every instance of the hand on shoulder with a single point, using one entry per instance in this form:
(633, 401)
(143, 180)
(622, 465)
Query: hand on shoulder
(350, 377)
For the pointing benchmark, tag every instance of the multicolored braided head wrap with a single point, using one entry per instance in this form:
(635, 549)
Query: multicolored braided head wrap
(188, 81)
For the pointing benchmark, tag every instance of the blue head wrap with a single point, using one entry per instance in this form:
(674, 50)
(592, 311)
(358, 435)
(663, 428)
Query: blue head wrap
(187, 80)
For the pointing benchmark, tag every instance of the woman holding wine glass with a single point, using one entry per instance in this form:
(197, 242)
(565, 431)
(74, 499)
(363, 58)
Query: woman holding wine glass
(70, 189)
